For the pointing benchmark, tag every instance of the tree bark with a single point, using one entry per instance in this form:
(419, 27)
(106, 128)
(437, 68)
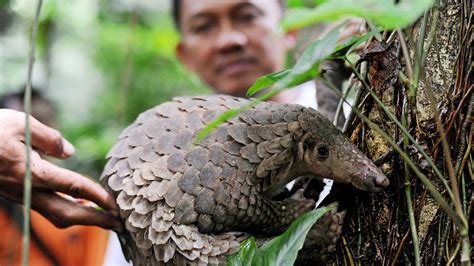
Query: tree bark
(377, 228)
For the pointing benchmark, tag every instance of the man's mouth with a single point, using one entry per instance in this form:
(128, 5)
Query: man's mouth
(235, 67)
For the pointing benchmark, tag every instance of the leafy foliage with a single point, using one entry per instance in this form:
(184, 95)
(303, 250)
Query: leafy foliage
(385, 13)
(244, 257)
(305, 68)
(281, 250)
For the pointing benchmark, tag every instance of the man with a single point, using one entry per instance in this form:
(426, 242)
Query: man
(229, 44)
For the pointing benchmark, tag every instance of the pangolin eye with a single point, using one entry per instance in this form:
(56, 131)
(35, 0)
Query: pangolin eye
(323, 152)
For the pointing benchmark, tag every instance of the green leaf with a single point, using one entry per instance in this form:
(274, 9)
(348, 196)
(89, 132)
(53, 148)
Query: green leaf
(294, 3)
(307, 65)
(385, 13)
(222, 118)
(244, 256)
(283, 249)
(345, 48)
(266, 81)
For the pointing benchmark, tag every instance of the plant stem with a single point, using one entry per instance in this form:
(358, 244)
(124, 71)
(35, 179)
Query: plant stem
(447, 153)
(463, 228)
(27, 108)
(405, 132)
(432, 33)
(411, 215)
(341, 103)
(127, 70)
(356, 102)
(348, 252)
(406, 54)
(417, 69)
(444, 232)
(429, 186)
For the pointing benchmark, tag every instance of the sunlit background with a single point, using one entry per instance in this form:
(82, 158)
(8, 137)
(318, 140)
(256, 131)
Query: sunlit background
(100, 62)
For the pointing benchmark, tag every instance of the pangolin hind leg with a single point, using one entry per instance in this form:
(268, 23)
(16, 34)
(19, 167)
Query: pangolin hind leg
(271, 217)
(322, 238)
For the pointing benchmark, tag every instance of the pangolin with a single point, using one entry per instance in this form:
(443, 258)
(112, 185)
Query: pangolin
(187, 204)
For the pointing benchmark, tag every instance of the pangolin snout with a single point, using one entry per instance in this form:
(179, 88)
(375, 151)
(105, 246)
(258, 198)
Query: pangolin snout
(381, 182)
(377, 182)
(370, 180)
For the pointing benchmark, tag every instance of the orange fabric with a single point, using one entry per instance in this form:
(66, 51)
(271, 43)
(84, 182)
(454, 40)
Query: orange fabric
(73, 246)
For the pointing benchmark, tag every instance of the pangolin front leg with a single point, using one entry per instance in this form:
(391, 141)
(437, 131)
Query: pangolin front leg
(276, 216)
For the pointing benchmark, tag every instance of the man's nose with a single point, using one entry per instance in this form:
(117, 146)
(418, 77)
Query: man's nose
(230, 40)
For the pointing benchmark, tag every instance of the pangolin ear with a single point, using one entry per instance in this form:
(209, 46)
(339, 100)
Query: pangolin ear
(301, 146)
(300, 151)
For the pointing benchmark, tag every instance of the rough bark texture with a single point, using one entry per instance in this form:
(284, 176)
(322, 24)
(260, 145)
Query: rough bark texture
(377, 228)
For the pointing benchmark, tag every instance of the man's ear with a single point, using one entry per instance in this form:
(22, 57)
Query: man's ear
(183, 56)
(290, 39)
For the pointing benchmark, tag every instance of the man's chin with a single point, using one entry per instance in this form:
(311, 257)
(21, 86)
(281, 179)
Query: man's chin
(236, 86)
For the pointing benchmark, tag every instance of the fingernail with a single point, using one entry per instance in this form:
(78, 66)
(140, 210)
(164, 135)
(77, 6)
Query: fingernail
(68, 149)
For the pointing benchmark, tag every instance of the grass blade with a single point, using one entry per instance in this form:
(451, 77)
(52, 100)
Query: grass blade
(27, 107)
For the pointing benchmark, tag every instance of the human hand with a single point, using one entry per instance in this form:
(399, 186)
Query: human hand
(47, 178)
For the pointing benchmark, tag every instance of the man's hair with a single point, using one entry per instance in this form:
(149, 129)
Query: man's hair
(19, 96)
(42, 108)
(176, 11)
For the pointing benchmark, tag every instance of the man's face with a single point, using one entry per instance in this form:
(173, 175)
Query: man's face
(229, 44)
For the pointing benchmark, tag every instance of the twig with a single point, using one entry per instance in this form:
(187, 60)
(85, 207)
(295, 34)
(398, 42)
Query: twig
(456, 250)
(27, 107)
(464, 132)
(406, 54)
(356, 102)
(127, 70)
(463, 228)
(399, 250)
(348, 252)
(341, 103)
(458, 109)
(386, 156)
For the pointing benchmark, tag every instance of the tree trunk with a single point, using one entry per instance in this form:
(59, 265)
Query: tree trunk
(377, 228)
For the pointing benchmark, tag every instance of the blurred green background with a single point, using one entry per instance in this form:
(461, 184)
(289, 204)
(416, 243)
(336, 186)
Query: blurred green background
(100, 62)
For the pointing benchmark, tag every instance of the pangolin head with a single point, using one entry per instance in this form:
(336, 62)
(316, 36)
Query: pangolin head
(327, 153)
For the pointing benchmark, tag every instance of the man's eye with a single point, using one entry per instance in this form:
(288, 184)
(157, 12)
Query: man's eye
(247, 17)
(202, 28)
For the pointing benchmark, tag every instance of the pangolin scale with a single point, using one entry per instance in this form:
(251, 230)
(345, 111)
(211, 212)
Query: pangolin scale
(188, 204)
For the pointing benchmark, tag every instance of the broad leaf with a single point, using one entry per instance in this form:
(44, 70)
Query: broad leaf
(307, 65)
(283, 249)
(266, 81)
(345, 48)
(244, 256)
(385, 13)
